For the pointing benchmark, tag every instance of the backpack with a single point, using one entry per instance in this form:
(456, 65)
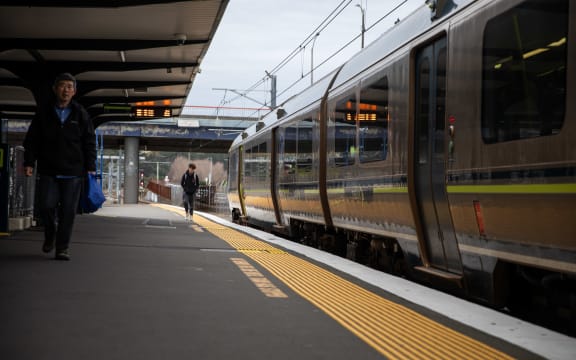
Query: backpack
(189, 183)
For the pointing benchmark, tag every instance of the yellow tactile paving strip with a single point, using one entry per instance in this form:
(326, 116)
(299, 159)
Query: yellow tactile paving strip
(393, 330)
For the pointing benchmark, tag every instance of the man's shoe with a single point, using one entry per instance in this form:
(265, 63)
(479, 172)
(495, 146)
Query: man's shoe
(48, 246)
(62, 255)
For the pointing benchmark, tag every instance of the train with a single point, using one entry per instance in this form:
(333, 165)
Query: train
(443, 152)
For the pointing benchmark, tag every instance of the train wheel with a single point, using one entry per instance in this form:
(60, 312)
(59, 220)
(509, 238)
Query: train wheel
(235, 216)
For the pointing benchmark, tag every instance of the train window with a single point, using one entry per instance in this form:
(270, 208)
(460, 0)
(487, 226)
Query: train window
(305, 154)
(372, 121)
(524, 71)
(289, 153)
(343, 131)
(263, 161)
(423, 112)
(248, 168)
(441, 92)
(257, 164)
(297, 157)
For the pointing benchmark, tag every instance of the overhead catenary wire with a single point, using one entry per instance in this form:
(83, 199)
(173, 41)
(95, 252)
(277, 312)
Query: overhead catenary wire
(301, 47)
(341, 49)
(327, 21)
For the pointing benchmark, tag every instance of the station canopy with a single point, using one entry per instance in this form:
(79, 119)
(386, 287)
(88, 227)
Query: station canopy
(133, 60)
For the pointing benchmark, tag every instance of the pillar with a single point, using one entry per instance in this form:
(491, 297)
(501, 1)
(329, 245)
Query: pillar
(4, 187)
(131, 146)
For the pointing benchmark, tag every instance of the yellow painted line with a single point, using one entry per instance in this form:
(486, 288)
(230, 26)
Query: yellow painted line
(196, 228)
(261, 282)
(395, 331)
(180, 211)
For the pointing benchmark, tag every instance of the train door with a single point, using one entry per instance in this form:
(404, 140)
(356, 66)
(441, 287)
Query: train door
(276, 148)
(241, 195)
(436, 232)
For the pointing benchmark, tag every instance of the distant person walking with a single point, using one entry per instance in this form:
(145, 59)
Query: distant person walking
(190, 184)
(61, 143)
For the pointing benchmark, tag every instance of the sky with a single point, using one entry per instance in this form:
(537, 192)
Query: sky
(257, 36)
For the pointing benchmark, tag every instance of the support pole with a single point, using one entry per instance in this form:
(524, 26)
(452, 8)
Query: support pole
(131, 166)
(273, 91)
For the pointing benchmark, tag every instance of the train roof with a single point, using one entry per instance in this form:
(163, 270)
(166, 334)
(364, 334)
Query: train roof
(292, 106)
(420, 21)
(413, 25)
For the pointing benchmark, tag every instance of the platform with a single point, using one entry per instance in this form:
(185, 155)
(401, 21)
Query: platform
(145, 284)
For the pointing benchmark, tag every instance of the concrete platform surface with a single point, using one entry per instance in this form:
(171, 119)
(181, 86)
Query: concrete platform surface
(145, 284)
(148, 286)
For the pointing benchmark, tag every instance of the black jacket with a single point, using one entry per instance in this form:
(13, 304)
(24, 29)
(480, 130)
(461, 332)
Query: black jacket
(61, 149)
(190, 183)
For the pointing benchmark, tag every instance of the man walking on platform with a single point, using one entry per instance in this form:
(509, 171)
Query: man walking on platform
(190, 184)
(62, 142)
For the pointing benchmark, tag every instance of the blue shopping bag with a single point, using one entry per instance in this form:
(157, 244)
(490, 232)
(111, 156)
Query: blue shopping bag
(92, 196)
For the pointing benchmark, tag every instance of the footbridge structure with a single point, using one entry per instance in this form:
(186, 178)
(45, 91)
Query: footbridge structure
(192, 134)
(199, 133)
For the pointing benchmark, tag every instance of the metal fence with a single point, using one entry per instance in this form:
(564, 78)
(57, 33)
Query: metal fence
(211, 199)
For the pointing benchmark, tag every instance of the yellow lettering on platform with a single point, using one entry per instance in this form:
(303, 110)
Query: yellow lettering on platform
(261, 282)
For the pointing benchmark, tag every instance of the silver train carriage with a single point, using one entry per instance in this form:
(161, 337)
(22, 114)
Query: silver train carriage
(445, 151)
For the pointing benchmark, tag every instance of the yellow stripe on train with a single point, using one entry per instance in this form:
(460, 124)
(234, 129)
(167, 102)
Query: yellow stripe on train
(515, 189)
